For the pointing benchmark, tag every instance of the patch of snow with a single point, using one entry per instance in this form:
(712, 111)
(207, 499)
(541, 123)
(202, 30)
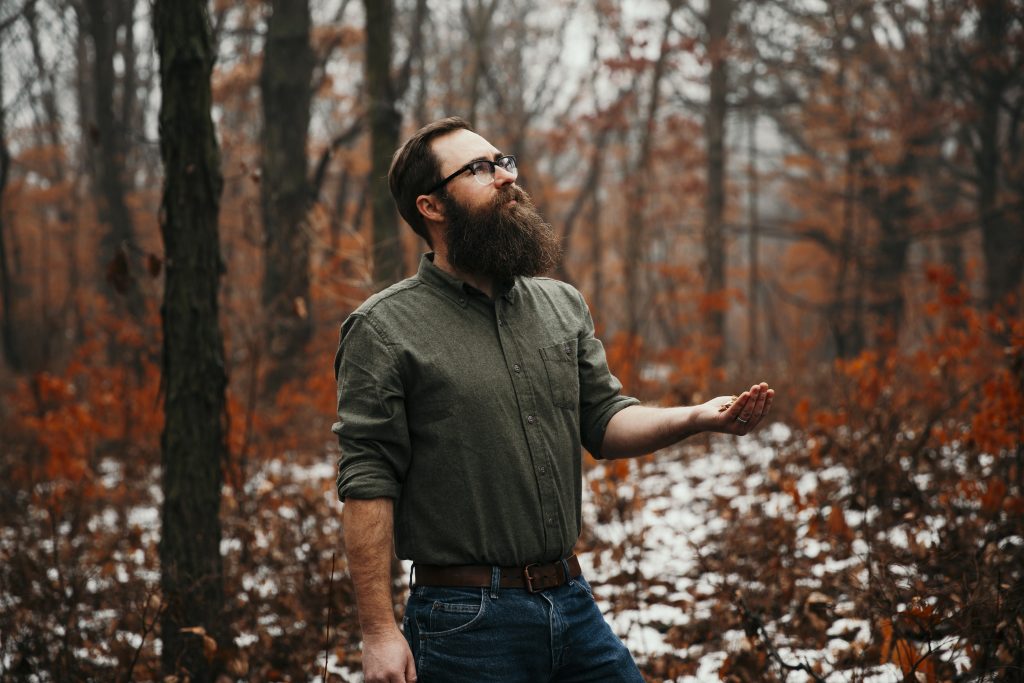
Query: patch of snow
(145, 517)
(110, 472)
(777, 433)
(106, 520)
(1010, 540)
(246, 639)
(229, 544)
(133, 639)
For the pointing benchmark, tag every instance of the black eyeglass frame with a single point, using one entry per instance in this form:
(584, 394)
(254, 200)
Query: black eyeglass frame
(497, 163)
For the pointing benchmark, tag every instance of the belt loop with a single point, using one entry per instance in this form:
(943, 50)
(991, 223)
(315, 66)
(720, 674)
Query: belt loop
(495, 581)
(565, 571)
(412, 570)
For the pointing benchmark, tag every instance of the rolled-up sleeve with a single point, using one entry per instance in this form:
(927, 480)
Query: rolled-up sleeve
(600, 390)
(371, 428)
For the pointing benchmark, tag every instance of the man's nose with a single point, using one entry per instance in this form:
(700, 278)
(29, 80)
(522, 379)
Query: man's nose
(503, 177)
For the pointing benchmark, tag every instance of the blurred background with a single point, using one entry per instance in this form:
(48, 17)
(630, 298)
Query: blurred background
(826, 196)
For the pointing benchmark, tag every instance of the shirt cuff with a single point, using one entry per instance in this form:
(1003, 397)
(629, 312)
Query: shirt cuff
(366, 480)
(594, 439)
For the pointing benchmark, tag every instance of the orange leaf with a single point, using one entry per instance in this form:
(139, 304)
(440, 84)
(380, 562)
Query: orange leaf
(904, 655)
(837, 525)
(886, 628)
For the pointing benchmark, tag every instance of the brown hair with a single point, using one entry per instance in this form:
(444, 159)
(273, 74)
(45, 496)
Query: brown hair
(415, 168)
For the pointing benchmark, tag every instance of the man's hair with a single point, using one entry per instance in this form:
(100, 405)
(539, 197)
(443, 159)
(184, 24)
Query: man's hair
(415, 169)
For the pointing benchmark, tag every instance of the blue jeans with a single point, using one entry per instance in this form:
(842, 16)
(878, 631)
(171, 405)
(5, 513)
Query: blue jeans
(473, 635)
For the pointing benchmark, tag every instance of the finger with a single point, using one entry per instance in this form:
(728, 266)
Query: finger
(410, 668)
(764, 403)
(749, 411)
(761, 398)
(738, 406)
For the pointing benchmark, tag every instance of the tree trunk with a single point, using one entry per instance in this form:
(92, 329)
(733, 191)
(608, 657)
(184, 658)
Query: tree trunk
(194, 379)
(718, 19)
(385, 126)
(478, 22)
(285, 188)
(107, 131)
(1001, 242)
(7, 327)
(844, 311)
(754, 279)
(636, 215)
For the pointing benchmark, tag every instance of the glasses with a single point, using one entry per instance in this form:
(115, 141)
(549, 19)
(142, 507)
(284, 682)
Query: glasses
(483, 171)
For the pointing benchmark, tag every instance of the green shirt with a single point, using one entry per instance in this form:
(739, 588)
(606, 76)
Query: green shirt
(470, 414)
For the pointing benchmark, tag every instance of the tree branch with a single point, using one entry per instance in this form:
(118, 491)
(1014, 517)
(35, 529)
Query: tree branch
(351, 133)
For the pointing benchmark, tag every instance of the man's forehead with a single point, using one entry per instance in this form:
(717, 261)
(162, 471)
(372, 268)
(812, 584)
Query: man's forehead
(460, 147)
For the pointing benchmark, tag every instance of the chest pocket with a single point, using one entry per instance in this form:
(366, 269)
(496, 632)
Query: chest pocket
(563, 373)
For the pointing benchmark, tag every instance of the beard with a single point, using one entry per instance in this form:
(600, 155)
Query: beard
(500, 241)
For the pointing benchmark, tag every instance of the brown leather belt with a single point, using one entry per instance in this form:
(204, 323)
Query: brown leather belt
(532, 577)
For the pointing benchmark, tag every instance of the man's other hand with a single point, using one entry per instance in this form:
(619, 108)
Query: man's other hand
(387, 658)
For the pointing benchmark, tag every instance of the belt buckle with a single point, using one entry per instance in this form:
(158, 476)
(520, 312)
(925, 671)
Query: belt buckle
(529, 579)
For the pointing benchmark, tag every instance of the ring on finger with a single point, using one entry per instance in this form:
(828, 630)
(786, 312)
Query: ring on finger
(742, 420)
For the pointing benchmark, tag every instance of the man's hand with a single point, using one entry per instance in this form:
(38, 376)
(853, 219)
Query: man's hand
(735, 414)
(387, 658)
(368, 531)
(636, 430)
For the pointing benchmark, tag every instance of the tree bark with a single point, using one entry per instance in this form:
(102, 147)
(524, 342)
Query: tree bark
(286, 192)
(1001, 242)
(97, 19)
(718, 19)
(385, 126)
(753, 240)
(194, 378)
(478, 22)
(7, 327)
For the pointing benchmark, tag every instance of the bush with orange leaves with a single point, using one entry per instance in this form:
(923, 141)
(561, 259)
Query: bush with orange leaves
(932, 439)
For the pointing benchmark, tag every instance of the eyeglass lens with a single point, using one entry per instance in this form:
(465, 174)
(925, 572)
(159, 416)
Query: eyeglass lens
(483, 171)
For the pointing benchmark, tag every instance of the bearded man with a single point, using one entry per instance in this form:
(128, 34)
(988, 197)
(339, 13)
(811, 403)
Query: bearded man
(465, 396)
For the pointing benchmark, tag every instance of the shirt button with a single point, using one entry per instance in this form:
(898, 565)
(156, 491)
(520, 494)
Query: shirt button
(501, 321)
(517, 368)
(543, 469)
(462, 300)
(551, 520)
(567, 349)
(531, 419)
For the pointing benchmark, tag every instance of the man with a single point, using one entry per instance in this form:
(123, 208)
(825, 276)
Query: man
(465, 394)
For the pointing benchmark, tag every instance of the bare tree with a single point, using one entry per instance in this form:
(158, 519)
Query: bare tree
(194, 377)
(285, 190)
(717, 20)
(98, 20)
(637, 195)
(385, 126)
(7, 326)
(992, 83)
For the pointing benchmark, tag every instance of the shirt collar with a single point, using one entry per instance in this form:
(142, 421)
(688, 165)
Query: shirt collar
(455, 289)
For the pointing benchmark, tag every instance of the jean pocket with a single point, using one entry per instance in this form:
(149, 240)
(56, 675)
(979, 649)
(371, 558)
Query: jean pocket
(442, 612)
(583, 586)
(563, 373)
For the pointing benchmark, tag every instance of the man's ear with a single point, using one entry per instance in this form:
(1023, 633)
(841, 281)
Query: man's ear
(430, 207)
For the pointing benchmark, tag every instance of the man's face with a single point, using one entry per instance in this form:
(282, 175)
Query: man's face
(492, 230)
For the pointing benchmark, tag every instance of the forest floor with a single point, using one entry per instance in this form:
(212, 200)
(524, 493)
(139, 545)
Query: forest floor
(721, 559)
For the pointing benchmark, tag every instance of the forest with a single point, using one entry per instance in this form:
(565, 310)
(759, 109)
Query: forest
(828, 196)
